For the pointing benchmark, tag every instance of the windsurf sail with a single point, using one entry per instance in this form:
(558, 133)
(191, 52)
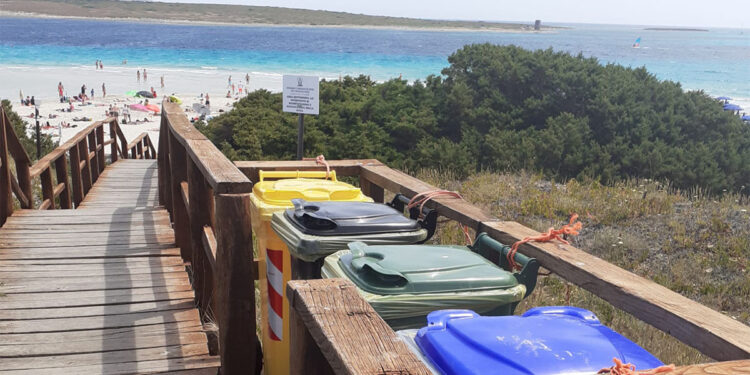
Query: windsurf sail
(637, 43)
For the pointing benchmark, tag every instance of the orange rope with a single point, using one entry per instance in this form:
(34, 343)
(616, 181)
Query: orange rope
(423, 197)
(572, 228)
(321, 160)
(628, 369)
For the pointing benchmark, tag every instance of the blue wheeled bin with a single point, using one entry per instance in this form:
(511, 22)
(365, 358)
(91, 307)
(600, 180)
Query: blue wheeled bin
(543, 341)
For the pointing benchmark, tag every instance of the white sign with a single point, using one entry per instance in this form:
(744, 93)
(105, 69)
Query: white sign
(301, 94)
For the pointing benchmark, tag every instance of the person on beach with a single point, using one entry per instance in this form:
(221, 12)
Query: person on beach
(96, 64)
(104, 91)
(70, 107)
(60, 89)
(83, 90)
(145, 76)
(138, 74)
(20, 93)
(153, 92)
(162, 81)
(233, 89)
(125, 114)
(207, 100)
(32, 100)
(247, 78)
(124, 61)
(92, 93)
(229, 81)
(101, 65)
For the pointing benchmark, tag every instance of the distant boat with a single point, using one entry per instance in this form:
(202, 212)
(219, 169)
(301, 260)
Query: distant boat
(637, 43)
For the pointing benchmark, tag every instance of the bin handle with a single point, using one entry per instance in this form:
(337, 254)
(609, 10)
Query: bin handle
(362, 262)
(296, 174)
(530, 266)
(427, 219)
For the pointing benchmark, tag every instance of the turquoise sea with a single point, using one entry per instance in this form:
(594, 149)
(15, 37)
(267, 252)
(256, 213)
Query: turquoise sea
(716, 60)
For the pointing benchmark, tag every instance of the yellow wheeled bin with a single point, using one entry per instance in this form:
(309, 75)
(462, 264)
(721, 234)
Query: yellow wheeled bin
(274, 192)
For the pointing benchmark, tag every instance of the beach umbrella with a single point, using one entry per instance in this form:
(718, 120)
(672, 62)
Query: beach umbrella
(175, 99)
(746, 118)
(132, 93)
(145, 94)
(139, 107)
(153, 108)
(732, 107)
(724, 98)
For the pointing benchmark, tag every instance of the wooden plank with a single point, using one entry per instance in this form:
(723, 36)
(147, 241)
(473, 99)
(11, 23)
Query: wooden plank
(711, 332)
(31, 229)
(113, 239)
(24, 254)
(87, 232)
(219, 172)
(342, 167)
(10, 286)
(99, 310)
(126, 263)
(96, 345)
(104, 358)
(453, 208)
(124, 333)
(95, 297)
(717, 368)
(34, 274)
(350, 334)
(140, 367)
(98, 322)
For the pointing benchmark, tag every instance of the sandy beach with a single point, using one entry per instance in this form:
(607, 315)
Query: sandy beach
(188, 85)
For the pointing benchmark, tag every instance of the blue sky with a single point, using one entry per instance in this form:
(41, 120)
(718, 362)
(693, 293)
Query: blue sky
(704, 13)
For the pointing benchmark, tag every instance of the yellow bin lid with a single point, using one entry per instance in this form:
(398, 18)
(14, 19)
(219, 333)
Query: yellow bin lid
(277, 194)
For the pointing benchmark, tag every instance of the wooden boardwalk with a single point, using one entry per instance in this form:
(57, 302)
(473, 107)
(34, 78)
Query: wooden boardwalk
(99, 289)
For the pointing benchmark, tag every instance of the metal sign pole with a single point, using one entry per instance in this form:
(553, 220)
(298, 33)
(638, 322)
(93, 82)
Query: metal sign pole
(300, 136)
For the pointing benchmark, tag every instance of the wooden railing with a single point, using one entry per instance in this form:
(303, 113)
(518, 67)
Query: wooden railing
(709, 331)
(208, 199)
(333, 330)
(84, 155)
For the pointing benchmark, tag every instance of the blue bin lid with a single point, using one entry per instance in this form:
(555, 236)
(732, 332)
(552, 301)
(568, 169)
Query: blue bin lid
(545, 340)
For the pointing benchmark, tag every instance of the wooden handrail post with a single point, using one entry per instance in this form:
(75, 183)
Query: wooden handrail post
(101, 158)
(61, 170)
(6, 203)
(235, 290)
(371, 190)
(93, 161)
(113, 136)
(165, 176)
(178, 169)
(139, 149)
(83, 153)
(199, 217)
(47, 188)
(75, 175)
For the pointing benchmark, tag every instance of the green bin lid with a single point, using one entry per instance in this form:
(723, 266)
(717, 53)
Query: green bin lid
(418, 269)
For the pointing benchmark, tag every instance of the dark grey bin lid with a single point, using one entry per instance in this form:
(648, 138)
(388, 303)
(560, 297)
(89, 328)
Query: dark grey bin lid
(347, 218)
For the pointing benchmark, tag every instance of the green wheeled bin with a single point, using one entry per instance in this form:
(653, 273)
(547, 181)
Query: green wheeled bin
(404, 283)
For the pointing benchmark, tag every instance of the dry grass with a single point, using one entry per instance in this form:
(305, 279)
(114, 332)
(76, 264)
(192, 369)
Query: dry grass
(685, 240)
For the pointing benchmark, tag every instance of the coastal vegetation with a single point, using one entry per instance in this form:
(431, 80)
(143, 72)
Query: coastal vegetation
(504, 108)
(688, 241)
(232, 14)
(28, 142)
